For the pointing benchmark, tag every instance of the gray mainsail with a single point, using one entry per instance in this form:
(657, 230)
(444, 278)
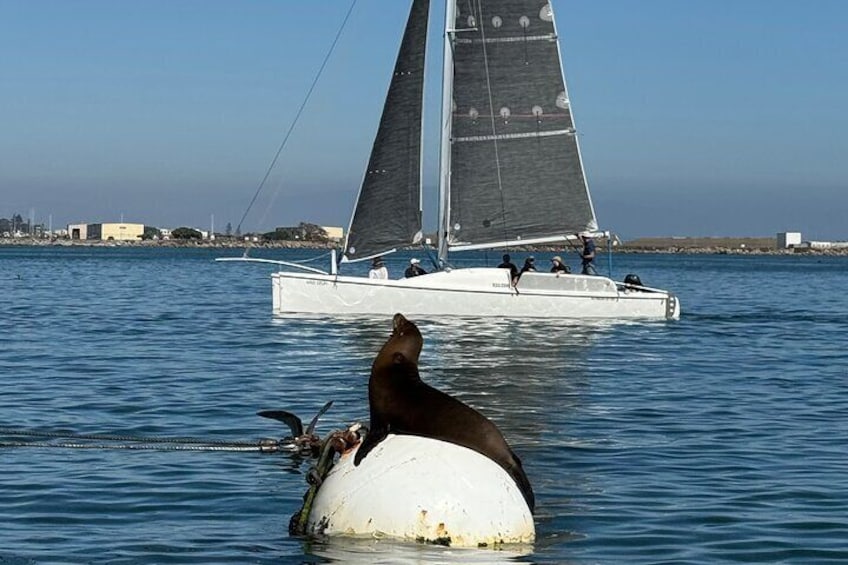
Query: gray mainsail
(515, 172)
(388, 209)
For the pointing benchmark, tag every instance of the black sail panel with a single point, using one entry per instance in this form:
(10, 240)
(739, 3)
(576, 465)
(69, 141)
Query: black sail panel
(388, 210)
(516, 172)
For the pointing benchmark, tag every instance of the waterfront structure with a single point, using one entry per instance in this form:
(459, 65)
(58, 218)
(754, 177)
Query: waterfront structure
(786, 240)
(309, 232)
(334, 233)
(116, 232)
(78, 231)
(107, 232)
(793, 240)
(823, 245)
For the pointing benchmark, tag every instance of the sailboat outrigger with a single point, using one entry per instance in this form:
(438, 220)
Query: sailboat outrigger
(511, 175)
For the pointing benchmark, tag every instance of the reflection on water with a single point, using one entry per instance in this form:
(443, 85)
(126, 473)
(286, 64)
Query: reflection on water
(515, 373)
(350, 550)
(506, 369)
(718, 438)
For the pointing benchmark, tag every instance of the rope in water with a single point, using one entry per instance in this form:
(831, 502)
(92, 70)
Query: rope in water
(140, 446)
(325, 451)
(316, 476)
(306, 444)
(86, 441)
(336, 442)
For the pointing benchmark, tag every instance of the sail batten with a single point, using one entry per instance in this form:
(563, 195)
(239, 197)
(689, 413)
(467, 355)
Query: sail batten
(388, 209)
(569, 131)
(544, 37)
(459, 246)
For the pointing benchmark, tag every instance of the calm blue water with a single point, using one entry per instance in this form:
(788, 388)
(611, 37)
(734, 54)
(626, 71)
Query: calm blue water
(720, 438)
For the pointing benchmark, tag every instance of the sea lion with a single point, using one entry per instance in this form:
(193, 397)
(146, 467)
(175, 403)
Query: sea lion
(401, 403)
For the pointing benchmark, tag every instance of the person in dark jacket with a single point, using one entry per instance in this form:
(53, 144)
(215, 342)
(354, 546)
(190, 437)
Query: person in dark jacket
(529, 265)
(588, 254)
(557, 266)
(414, 269)
(507, 264)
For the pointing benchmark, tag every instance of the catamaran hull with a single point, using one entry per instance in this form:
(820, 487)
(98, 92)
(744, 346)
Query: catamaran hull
(482, 292)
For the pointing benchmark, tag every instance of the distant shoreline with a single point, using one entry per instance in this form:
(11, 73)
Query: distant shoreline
(686, 245)
(217, 244)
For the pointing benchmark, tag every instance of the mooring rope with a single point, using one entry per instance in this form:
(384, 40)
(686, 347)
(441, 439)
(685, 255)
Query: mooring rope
(336, 442)
(137, 446)
(86, 441)
(112, 437)
(305, 444)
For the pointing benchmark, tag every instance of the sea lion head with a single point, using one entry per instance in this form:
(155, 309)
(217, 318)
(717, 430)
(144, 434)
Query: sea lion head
(404, 345)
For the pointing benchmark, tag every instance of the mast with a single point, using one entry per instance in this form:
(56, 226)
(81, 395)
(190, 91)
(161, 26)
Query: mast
(445, 131)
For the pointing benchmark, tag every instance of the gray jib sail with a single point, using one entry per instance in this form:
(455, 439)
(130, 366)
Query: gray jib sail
(388, 210)
(516, 172)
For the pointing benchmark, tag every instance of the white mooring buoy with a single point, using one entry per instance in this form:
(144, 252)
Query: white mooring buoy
(422, 489)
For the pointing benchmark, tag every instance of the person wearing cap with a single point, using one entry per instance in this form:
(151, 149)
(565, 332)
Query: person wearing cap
(414, 269)
(513, 270)
(378, 269)
(529, 265)
(588, 254)
(557, 266)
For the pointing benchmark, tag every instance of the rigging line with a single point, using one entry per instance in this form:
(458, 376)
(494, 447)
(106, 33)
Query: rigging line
(482, 26)
(312, 259)
(576, 247)
(298, 114)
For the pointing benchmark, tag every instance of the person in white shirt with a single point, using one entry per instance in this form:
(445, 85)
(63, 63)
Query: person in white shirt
(378, 269)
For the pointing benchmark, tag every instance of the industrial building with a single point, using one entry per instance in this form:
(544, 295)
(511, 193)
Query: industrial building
(78, 231)
(334, 233)
(792, 240)
(788, 239)
(107, 232)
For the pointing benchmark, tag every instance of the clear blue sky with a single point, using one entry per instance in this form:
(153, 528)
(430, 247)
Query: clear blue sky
(697, 117)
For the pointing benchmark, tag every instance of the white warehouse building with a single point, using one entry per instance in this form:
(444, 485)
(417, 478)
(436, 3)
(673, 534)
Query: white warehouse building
(788, 239)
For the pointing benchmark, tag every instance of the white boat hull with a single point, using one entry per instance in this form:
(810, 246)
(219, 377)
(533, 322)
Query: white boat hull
(483, 292)
(420, 489)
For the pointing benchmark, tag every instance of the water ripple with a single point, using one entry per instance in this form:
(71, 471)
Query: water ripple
(718, 438)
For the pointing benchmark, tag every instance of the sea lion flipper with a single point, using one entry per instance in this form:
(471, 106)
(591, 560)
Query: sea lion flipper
(292, 421)
(311, 428)
(374, 436)
(516, 471)
(517, 474)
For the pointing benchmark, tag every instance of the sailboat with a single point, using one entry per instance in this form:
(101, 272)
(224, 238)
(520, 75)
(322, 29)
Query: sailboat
(511, 175)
